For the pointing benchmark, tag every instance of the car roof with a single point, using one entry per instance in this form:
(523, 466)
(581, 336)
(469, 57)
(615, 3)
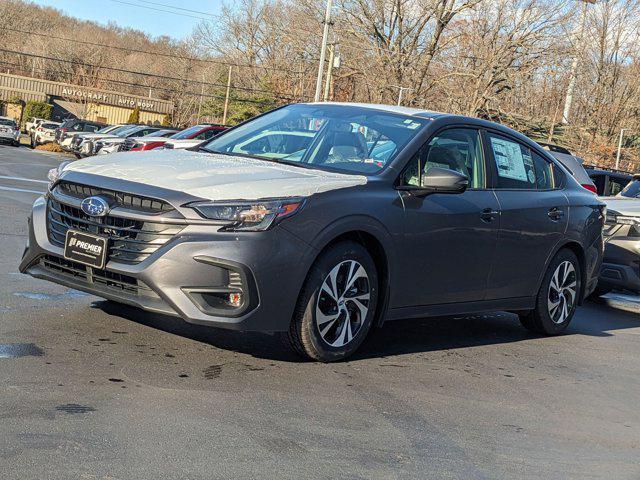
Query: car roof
(409, 111)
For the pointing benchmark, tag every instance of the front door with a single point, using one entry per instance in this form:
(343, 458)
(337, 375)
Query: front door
(533, 217)
(449, 239)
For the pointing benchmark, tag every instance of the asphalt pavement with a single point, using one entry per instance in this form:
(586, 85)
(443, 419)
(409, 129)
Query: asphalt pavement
(93, 390)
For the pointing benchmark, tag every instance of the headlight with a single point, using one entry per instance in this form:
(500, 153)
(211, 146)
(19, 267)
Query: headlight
(248, 216)
(54, 173)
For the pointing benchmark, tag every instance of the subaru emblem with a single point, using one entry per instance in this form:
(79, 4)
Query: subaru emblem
(95, 206)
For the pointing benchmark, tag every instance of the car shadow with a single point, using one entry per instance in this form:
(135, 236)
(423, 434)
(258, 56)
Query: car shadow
(394, 338)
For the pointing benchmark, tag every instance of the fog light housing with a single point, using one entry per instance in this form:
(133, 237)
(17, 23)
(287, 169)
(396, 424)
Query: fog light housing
(235, 299)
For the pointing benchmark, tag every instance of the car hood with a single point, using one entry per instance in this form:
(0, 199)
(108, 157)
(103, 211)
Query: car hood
(623, 205)
(184, 143)
(91, 136)
(151, 139)
(215, 177)
(110, 138)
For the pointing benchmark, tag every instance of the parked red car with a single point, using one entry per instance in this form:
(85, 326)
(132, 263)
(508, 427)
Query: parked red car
(199, 132)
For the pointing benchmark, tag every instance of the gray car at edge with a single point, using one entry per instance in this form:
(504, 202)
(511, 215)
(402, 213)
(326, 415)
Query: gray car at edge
(321, 221)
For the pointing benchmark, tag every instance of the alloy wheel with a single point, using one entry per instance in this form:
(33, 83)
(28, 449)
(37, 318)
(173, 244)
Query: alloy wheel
(562, 292)
(343, 303)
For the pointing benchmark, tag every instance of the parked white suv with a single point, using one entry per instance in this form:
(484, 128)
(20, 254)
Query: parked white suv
(44, 133)
(9, 131)
(32, 123)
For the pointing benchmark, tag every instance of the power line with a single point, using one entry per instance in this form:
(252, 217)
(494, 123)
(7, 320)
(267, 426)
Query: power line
(148, 52)
(152, 87)
(176, 8)
(160, 10)
(152, 75)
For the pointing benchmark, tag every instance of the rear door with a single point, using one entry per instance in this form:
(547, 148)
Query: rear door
(534, 214)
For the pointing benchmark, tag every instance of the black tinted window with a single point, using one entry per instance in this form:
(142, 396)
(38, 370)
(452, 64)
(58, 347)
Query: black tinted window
(616, 185)
(543, 173)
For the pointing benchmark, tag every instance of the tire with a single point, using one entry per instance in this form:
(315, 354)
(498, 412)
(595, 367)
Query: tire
(16, 143)
(555, 302)
(321, 326)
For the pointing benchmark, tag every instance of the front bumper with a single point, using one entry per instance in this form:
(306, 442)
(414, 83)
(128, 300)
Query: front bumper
(179, 278)
(621, 265)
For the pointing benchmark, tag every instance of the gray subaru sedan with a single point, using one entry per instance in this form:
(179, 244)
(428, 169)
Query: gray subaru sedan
(321, 221)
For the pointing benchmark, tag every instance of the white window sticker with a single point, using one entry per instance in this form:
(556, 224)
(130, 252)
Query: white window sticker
(509, 159)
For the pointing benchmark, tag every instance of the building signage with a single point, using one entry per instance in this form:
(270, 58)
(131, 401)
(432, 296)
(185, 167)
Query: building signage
(103, 97)
(83, 94)
(75, 93)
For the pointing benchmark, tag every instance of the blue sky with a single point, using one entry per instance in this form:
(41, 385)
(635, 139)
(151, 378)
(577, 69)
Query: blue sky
(141, 14)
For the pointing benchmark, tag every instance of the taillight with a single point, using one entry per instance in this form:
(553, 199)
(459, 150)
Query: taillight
(40, 129)
(590, 187)
(151, 145)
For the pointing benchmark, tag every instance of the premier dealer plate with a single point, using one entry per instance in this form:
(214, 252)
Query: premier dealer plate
(85, 248)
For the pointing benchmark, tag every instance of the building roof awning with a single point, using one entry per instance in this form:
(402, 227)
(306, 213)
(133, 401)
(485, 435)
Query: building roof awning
(77, 109)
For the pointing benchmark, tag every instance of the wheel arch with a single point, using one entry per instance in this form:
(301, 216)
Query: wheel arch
(579, 252)
(375, 238)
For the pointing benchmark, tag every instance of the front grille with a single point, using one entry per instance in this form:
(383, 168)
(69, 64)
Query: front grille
(130, 241)
(118, 199)
(106, 278)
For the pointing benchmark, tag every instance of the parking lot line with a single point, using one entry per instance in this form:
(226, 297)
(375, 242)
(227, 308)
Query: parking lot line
(21, 179)
(11, 189)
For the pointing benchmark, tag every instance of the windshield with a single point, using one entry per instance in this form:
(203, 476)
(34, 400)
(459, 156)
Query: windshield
(107, 129)
(632, 190)
(124, 130)
(187, 133)
(343, 138)
(6, 121)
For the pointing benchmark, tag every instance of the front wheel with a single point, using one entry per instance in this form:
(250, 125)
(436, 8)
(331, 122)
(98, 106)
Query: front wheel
(337, 304)
(558, 296)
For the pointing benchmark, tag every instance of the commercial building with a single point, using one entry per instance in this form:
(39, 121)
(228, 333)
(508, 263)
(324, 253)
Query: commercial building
(82, 102)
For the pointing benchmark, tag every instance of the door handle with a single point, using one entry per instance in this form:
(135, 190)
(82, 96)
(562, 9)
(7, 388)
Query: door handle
(555, 213)
(488, 214)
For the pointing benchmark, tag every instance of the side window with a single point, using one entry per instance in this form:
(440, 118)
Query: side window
(77, 127)
(457, 149)
(514, 163)
(543, 172)
(558, 177)
(206, 135)
(616, 185)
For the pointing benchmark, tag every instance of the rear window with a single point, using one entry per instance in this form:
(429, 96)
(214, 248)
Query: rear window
(49, 125)
(7, 122)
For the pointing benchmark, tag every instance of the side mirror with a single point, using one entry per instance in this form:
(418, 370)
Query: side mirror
(443, 180)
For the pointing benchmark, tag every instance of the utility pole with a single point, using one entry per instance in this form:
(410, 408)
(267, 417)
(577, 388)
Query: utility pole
(201, 97)
(226, 98)
(323, 51)
(574, 64)
(327, 83)
(401, 91)
(619, 148)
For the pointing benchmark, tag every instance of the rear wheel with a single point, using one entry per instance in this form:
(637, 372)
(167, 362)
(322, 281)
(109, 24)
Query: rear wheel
(337, 304)
(558, 296)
